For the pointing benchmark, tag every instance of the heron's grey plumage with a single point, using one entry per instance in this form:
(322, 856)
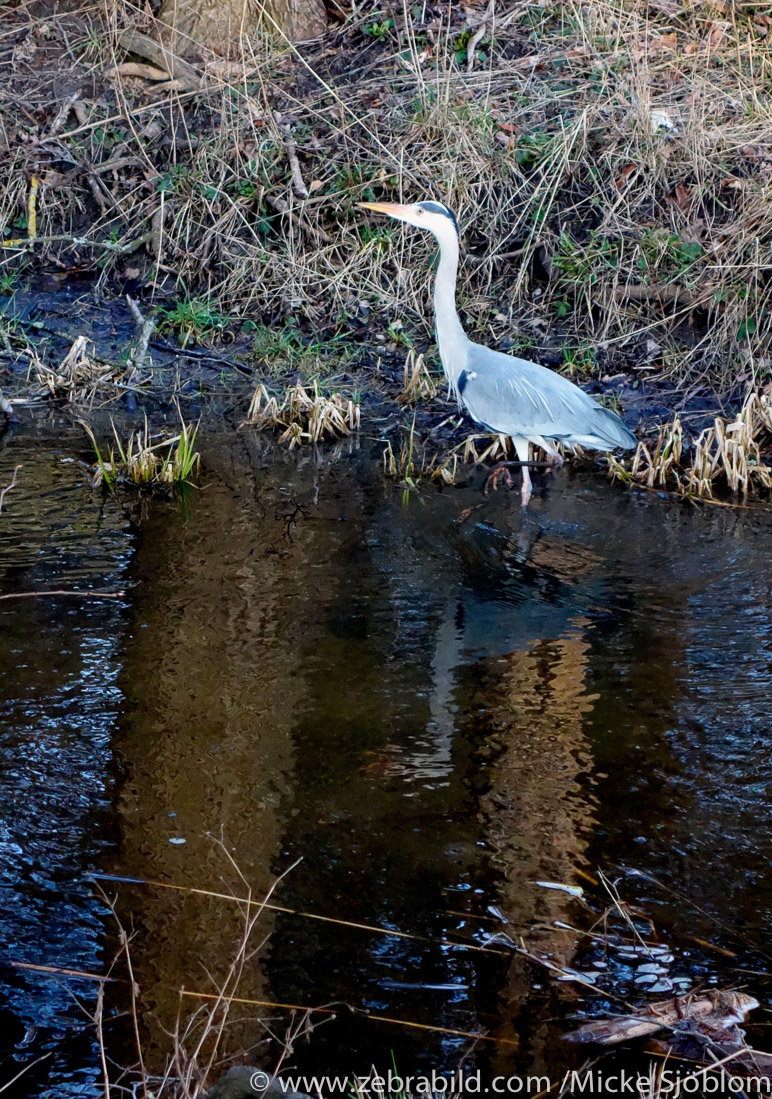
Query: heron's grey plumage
(518, 397)
(512, 396)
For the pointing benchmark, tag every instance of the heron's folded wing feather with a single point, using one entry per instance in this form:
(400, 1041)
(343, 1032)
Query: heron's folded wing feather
(518, 397)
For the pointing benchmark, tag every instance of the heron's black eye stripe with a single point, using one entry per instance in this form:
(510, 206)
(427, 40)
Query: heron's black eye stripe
(438, 208)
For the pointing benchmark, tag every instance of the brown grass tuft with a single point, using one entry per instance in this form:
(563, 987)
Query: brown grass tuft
(304, 414)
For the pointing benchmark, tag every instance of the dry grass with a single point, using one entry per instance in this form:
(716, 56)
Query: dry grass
(304, 415)
(198, 1044)
(79, 376)
(418, 384)
(728, 455)
(609, 163)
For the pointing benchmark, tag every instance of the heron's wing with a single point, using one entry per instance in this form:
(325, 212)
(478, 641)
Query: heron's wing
(517, 397)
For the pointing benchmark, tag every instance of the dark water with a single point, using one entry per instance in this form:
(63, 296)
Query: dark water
(431, 716)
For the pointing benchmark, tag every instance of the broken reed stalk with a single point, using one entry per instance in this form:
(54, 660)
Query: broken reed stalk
(363, 1013)
(388, 931)
(88, 594)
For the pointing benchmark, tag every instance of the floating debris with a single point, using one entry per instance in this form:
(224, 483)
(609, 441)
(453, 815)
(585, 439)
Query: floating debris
(79, 375)
(716, 1011)
(572, 890)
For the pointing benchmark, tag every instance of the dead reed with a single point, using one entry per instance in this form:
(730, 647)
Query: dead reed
(304, 414)
(728, 455)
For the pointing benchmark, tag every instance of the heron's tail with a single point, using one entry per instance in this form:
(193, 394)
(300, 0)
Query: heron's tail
(610, 432)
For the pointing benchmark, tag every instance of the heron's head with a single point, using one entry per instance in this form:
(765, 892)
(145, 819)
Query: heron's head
(435, 217)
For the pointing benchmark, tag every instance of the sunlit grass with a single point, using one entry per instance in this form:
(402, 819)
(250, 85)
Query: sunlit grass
(140, 462)
(729, 454)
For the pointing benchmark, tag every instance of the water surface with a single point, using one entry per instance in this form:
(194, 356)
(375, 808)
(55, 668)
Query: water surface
(420, 717)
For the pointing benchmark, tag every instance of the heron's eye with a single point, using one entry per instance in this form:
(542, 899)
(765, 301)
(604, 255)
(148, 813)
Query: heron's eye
(420, 211)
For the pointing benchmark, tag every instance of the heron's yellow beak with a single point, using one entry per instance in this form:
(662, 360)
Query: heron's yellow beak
(393, 209)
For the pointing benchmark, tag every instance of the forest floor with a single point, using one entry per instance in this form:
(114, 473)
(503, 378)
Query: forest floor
(609, 164)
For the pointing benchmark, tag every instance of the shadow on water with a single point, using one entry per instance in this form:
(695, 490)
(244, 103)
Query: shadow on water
(431, 716)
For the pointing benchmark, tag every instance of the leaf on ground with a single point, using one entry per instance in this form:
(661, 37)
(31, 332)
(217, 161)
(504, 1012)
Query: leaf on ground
(664, 42)
(624, 176)
(718, 32)
(680, 196)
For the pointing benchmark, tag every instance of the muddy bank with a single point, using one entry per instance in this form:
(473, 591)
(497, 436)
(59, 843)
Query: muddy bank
(44, 324)
(613, 200)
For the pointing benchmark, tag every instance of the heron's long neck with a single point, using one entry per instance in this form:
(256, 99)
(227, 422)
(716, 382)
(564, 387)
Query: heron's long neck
(450, 334)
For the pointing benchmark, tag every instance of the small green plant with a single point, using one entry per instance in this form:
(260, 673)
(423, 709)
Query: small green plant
(400, 335)
(461, 45)
(665, 256)
(578, 361)
(532, 147)
(175, 181)
(379, 30)
(192, 318)
(583, 264)
(142, 463)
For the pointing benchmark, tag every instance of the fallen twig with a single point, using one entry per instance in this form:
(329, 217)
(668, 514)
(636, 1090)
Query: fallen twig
(8, 487)
(298, 185)
(137, 68)
(64, 112)
(475, 39)
(114, 165)
(23, 243)
(201, 355)
(26, 1068)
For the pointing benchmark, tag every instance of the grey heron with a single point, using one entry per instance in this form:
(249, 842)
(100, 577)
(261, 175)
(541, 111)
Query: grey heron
(502, 393)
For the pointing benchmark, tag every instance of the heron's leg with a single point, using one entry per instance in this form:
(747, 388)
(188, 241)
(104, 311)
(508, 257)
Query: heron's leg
(548, 448)
(523, 449)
